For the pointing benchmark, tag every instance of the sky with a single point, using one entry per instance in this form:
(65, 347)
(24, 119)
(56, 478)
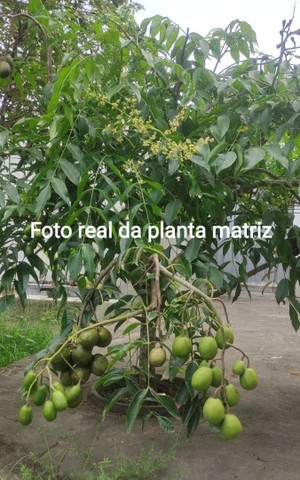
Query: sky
(265, 16)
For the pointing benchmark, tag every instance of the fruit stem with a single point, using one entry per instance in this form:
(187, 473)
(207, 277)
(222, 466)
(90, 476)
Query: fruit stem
(242, 352)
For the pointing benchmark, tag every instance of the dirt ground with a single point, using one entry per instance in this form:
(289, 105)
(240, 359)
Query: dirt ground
(268, 448)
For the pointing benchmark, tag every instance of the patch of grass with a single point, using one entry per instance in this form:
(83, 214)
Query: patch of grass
(146, 466)
(24, 333)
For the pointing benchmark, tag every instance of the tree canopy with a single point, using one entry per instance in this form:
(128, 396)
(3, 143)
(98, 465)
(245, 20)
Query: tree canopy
(110, 121)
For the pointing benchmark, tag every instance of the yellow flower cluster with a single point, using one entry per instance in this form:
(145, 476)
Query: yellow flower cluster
(157, 142)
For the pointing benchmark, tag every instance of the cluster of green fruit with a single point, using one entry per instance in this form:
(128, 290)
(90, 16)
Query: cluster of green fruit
(74, 362)
(54, 398)
(30, 243)
(216, 410)
(209, 374)
(6, 64)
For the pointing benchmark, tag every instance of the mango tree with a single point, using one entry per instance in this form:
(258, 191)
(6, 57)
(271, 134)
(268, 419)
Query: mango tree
(143, 146)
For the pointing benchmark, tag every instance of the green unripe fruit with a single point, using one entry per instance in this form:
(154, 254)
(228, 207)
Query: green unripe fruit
(202, 379)
(238, 367)
(66, 379)
(29, 379)
(25, 415)
(58, 386)
(231, 426)
(105, 337)
(28, 249)
(39, 395)
(73, 394)
(59, 361)
(49, 411)
(38, 234)
(99, 364)
(217, 376)
(182, 346)
(80, 374)
(76, 402)
(27, 230)
(213, 411)
(248, 379)
(229, 336)
(8, 59)
(59, 400)
(232, 395)
(5, 69)
(89, 338)
(207, 348)
(157, 357)
(81, 356)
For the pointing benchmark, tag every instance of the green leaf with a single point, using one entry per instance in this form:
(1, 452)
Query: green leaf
(175, 364)
(224, 160)
(12, 192)
(202, 162)
(21, 292)
(282, 290)
(88, 255)
(165, 424)
(215, 276)
(120, 351)
(167, 402)
(182, 395)
(131, 327)
(70, 171)
(193, 422)
(7, 279)
(148, 56)
(6, 302)
(35, 6)
(42, 198)
(184, 267)
(113, 90)
(114, 375)
(60, 188)
(294, 311)
(275, 152)
(3, 138)
(221, 128)
(134, 408)
(2, 200)
(192, 249)
(75, 265)
(172, 210)
(253, 156)
(75, 151)
(114, 398)
(234, 52)
(171, 36)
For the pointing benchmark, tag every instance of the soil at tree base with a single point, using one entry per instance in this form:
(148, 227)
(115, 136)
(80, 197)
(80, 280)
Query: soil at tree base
(267, 449)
